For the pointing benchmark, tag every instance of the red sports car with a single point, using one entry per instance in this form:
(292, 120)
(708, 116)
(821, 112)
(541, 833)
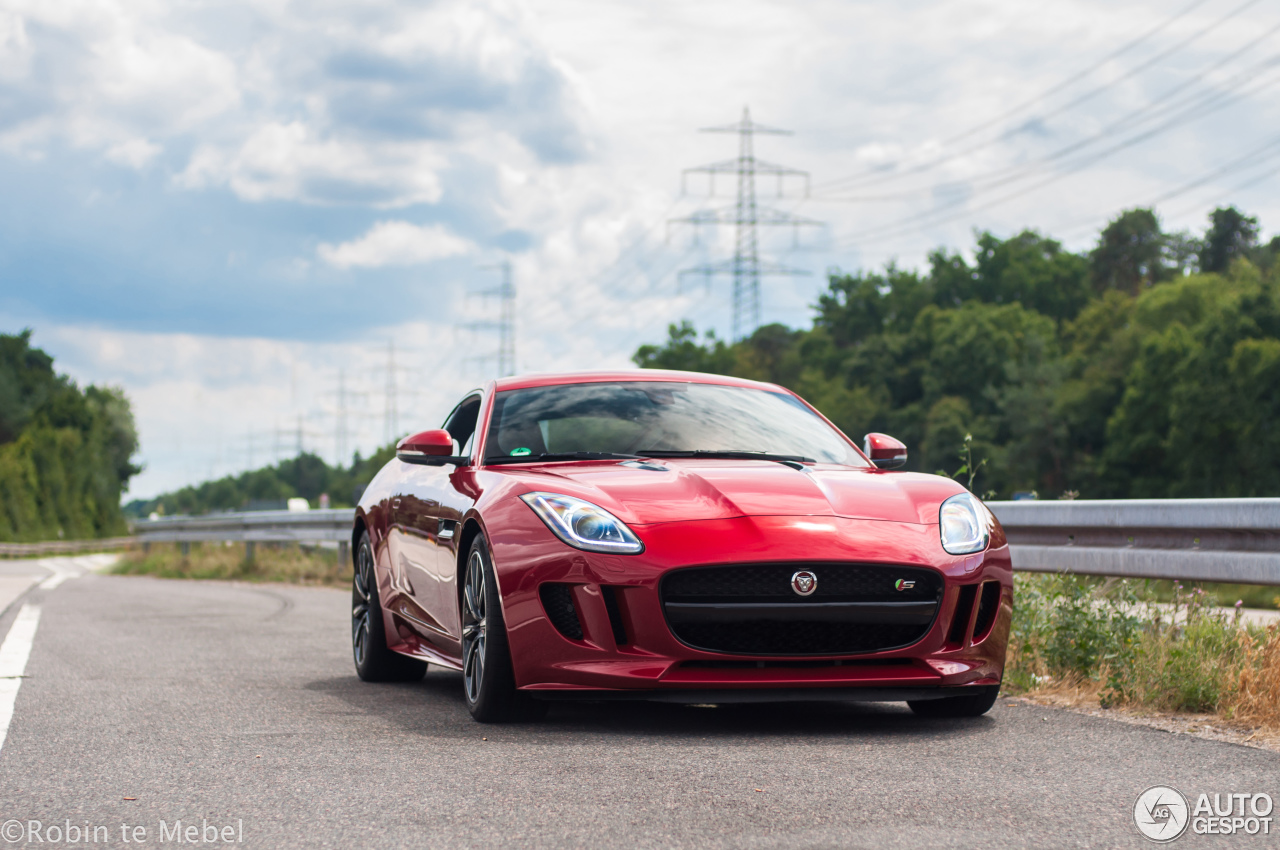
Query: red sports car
(678, 537)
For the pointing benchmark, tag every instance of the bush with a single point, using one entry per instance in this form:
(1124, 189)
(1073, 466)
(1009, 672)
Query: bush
(1187, 659)
(1070, 628)
(1113, 636)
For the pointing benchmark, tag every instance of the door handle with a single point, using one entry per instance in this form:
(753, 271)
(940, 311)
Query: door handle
(447, 528)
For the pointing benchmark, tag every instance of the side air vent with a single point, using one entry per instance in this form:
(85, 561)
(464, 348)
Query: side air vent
(988, 605)
(610, 595)
(964, 610)
(557, 600)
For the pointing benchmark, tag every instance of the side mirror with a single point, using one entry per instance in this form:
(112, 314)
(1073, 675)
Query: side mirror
(884, 451)
(431, 448)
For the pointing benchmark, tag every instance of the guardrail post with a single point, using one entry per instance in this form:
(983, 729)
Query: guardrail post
(344, 554)
(249, 546)
(185, 547)
(146, 547)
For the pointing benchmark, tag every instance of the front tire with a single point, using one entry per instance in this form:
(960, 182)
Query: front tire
(374, 661)
(488, 680)
(969, 705)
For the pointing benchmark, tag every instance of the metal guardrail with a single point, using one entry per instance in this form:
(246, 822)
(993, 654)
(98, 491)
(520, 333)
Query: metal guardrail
(251, 527)
(1225, 540)
(62, 547)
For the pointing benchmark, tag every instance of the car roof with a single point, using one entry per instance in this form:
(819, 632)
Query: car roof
(518, 382)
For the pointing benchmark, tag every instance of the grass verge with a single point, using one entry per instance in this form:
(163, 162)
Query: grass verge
(1120, 643)
(272, 562)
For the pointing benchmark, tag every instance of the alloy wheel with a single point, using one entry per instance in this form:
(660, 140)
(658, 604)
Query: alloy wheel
(474, 626)
(362, 600)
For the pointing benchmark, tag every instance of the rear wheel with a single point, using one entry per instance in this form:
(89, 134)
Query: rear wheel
(374, 661)
(969, 705)
(488, 681)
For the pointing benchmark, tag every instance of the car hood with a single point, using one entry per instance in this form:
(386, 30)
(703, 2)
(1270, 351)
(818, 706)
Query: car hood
(702, 489)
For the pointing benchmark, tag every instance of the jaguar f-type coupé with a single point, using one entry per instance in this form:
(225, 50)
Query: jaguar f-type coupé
(678, 537)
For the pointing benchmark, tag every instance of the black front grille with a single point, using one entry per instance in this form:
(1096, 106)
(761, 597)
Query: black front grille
(836, 582)
(752, 608)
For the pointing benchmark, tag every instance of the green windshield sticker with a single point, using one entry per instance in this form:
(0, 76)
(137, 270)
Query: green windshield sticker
(521, 452)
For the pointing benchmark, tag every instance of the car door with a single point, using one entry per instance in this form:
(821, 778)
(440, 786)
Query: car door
(424, 552)
(455, 498)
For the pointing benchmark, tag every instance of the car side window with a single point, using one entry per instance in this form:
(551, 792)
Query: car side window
(461, 424)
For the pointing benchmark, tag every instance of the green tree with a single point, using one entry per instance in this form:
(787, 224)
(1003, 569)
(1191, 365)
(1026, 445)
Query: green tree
(1232, 236)
(682, 351)
(1130, 254)
(65, 454)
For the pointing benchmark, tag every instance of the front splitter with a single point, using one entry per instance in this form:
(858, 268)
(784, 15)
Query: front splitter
(761, 695)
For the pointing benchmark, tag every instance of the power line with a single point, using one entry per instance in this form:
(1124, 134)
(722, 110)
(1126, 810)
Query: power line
(1225, 91)
(877, 176)
(1254, 158)
(912, 223)
(746, 216)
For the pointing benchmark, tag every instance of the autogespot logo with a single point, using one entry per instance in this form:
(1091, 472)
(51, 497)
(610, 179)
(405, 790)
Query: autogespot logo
(1161, 813)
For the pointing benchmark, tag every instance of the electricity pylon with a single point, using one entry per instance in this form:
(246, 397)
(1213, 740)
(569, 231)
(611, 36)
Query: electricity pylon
(506, 324)
(746, 216)
(391, 405)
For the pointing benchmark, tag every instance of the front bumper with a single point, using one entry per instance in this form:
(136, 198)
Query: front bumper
(610, 591)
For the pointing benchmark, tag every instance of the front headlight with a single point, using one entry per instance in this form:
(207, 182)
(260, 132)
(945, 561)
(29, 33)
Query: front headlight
(583, 525)
(963, 524)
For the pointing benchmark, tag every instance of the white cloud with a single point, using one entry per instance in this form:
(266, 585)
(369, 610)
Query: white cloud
(135, 153)
(288, 162)
(320, 103)
(395, 243)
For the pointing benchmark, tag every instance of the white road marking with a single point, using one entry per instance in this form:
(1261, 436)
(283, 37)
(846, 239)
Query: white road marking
(74, 567)
(56, 579)
(13, 661)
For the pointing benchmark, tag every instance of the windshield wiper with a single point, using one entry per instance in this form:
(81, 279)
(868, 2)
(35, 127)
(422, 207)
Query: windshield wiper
(729, 455)
(531, 458)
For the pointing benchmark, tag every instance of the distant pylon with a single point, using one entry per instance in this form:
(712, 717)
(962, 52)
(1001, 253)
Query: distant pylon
(506, 324)
(340, 432)
(746, 215)
(391, 410)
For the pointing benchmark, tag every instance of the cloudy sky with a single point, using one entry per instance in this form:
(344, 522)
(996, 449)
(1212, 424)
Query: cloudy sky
(246, 213)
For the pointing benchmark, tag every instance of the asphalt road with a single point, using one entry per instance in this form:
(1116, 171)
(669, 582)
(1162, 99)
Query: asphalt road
(237, 704)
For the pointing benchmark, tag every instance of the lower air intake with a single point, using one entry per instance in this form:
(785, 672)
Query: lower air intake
(557, 601)
(988, 605)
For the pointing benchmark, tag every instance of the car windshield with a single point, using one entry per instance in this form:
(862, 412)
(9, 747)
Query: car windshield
(643, 417)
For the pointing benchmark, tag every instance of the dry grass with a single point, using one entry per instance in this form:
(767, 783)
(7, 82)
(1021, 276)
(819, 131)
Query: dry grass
(1257, 697)
(272, 562)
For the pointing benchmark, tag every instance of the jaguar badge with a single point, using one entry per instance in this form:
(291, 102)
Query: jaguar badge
(804, 583)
